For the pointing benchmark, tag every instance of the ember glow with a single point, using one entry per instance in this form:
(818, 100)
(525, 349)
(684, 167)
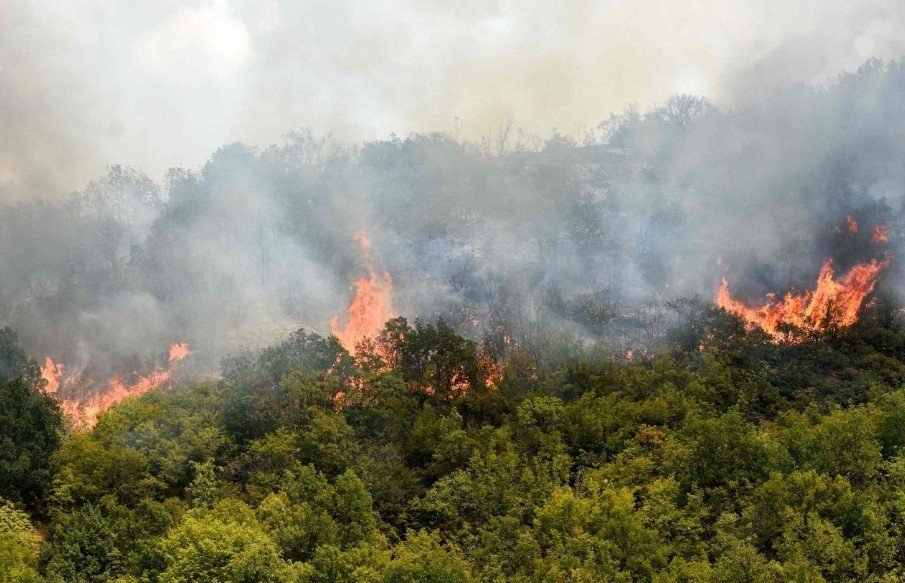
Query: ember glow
(370, 308)
(82, 413)
(832, 304)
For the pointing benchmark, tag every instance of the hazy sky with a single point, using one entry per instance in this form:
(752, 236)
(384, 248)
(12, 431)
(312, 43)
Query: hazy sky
(158, 83)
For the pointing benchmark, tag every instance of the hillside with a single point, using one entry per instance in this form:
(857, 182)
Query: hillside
(724, 457)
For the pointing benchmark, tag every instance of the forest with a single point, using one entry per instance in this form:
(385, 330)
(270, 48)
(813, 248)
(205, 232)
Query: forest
(725, 457)
(671, 349)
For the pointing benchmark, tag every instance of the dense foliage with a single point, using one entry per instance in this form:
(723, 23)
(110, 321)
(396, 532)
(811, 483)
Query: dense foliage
(722, 458)
(30, 426)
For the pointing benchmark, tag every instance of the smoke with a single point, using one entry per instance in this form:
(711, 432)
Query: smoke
(513, 234)
(155, 85)
(48, 143)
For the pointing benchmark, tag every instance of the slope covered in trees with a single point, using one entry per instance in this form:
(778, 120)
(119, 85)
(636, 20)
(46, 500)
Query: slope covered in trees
(725, 457)
(566, 408)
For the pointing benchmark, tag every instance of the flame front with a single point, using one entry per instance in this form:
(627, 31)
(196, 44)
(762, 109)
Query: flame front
(833, 304)
(82, 413)
(370, 308)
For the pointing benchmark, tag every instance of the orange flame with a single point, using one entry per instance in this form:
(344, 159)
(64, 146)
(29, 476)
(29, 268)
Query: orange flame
(83, 413)
(832, 304)
(370, 308)
(51, 372)
(852, 224)
(880, 234)
(493, 371)
(179, 351)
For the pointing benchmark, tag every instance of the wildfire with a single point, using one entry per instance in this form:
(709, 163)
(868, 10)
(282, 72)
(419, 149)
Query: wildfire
(51, 372)
(493, 371)
(370, 308)
(82, 413)
(833, 304)
(852, 224)
(880, 234)
(179, 351)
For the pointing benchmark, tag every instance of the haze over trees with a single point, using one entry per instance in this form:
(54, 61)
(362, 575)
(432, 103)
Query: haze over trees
(558, 400)
(588, 237)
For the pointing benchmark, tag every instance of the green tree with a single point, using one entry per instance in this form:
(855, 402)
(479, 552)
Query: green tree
(14, 362)
(89, 471)
(421, 558)
(297, 527)
(83, 547)
(226, 544)
(328, 443)
(31, 427)
(18, 546)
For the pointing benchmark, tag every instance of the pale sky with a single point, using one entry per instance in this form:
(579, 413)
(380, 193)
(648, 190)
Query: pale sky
(158, 83)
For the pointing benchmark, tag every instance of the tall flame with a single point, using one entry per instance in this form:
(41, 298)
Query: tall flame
(51, 372)
(370, 308)
(82, 413)
(833, 304)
